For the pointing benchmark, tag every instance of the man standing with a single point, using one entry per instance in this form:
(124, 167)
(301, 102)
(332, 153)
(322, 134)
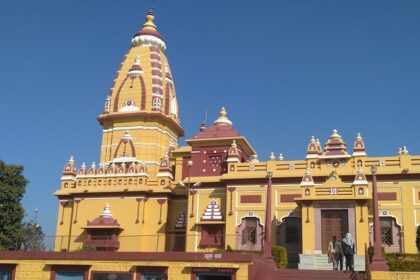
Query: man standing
(339, 254)
(349, 250)
(332, 252)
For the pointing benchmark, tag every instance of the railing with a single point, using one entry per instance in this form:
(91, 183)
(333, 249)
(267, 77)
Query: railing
(367, 264)
(105, 243)
(165, 242)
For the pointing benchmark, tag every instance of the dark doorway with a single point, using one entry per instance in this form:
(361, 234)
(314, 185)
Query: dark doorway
(333, 222)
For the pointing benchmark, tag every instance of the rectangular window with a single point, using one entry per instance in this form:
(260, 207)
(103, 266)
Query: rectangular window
(249, 234)
(152, 273)
(69, 275)
(69, 272)
(112, 275)
(386, 231)
(211, 235)
(7, 271)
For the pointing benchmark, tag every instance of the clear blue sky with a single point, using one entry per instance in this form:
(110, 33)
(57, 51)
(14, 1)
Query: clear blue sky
(285, 70)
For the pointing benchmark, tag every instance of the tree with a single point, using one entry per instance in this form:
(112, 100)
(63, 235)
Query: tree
(33, 237)
(12, 188)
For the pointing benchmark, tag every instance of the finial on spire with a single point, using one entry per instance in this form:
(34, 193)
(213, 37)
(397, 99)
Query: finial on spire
(272, 157)
(281, 156)
(222, 120)
(106, 213)
(203, 125)
(148, 35)
(71, 160)
(335, 133)
(149, 20)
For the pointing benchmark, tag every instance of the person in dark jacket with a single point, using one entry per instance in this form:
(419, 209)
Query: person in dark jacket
(349, 251)
(339, 254)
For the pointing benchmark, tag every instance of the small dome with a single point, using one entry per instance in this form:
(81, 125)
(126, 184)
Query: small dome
(222, 119)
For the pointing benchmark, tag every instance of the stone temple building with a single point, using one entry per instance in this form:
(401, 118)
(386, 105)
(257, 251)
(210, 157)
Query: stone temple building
(165, 211)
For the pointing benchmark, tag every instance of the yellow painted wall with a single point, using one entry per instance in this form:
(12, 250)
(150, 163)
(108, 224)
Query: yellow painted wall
(146, 236)
(41, 269)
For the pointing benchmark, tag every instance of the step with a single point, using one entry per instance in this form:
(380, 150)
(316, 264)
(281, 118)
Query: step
(314, 274)
(320, 262)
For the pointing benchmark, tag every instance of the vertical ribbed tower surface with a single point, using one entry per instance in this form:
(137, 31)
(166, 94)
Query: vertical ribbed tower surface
(140, 119)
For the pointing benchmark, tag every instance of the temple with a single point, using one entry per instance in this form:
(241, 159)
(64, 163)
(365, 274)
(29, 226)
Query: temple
(147, 194)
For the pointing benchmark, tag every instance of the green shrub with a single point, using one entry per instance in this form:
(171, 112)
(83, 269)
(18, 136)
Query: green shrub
(86, 249)
(279, 254)
(370, 252)
(403, 265)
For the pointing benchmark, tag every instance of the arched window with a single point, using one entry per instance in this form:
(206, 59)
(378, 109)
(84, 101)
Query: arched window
(249, 234)
(386, 231)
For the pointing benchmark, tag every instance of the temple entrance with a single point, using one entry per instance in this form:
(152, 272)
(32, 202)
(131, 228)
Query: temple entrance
(333, 222)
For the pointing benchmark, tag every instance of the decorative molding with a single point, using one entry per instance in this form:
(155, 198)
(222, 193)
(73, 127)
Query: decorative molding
(289, 197)
(250, 198)
(231, 190)
(387, 196)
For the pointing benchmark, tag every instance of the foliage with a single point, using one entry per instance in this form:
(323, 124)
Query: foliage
(228, 248)
(12, 188)
(418, 238)
(279, 254)
(86, 249)
(32, 237)
(403, 265)
(370, 252)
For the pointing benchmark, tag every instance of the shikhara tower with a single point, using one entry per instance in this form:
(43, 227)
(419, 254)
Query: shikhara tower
(140, 119)
(141, 128)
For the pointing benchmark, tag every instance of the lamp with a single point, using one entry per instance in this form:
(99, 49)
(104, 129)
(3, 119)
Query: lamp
(374, 169)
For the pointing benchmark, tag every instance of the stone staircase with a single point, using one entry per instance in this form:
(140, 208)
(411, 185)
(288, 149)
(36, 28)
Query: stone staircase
(320, 262)
(294, 274)
(265, 269)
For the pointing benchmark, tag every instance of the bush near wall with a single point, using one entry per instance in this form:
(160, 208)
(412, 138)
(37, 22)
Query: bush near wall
(398, 262)
(403, 265)
(370, 252)
(279, 254)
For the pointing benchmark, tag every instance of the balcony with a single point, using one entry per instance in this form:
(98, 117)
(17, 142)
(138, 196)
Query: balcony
(102, 243)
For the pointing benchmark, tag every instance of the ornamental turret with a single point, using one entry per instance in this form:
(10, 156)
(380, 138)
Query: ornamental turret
(359, 146)
(307, 180)
(233, 153)
(335, 146)
(313, 150)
